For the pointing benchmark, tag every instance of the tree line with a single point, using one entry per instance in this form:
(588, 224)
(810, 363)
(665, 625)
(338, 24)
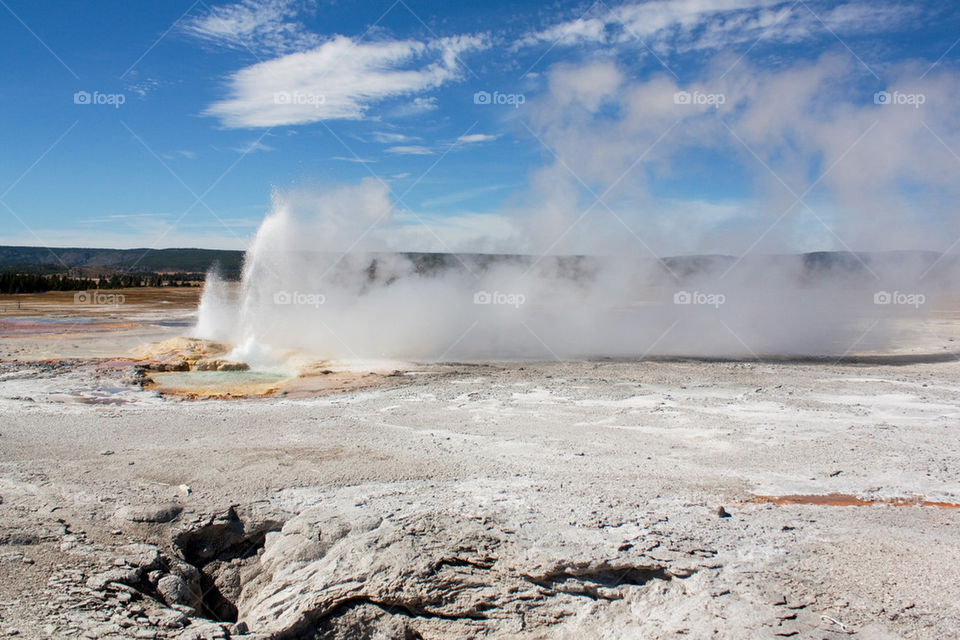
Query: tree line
(38, 283)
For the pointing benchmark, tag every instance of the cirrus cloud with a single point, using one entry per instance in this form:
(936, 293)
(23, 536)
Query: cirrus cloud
(340, 79)
(270, 26)
(410, 150)
(477, 137)
(679, 26)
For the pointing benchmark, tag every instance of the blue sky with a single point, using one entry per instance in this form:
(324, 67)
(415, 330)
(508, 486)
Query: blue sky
(222, 103)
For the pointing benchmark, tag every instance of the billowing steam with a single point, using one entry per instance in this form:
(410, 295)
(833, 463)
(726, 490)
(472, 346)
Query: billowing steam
(590, 273)
(316, 284)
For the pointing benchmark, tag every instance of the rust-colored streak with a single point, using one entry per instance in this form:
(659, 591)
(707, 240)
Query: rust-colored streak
(848, 500)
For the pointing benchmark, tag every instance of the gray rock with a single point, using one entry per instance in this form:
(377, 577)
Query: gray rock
(204, 631)
(436, 575)
(130, 577)
(144, 556)
(158, 513)
(169, 619)
(186, 571)
(174, 590)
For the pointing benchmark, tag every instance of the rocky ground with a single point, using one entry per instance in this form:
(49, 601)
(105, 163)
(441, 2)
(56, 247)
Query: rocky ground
(517, 500)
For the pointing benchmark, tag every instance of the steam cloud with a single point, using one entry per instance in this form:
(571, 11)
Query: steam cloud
(322, 277)
(301, 293)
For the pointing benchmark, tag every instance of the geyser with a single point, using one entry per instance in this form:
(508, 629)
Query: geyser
(320, 281)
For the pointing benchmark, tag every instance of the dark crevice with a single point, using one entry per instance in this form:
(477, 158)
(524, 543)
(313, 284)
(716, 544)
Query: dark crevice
(219, 549)
(589, 583)
(216, 606)
(482, 563)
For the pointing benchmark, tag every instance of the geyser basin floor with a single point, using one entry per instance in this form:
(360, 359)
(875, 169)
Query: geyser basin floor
(573, 499)
(53, 325)
(570, 474)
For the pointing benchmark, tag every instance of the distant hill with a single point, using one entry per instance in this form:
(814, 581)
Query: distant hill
(94, 262)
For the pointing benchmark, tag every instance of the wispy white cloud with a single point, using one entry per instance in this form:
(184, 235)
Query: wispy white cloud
(411, 150)
(477, 137)
(392, 138)
(424, 150)
(143, 87)
(460, 196)
(415, 107)
(180, 153)
(260, 26)
(678, 26)
(253, 146)
(339, 79)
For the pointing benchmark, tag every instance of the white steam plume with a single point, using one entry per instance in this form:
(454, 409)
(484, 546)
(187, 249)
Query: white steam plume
(310, 288)
(832, 170)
